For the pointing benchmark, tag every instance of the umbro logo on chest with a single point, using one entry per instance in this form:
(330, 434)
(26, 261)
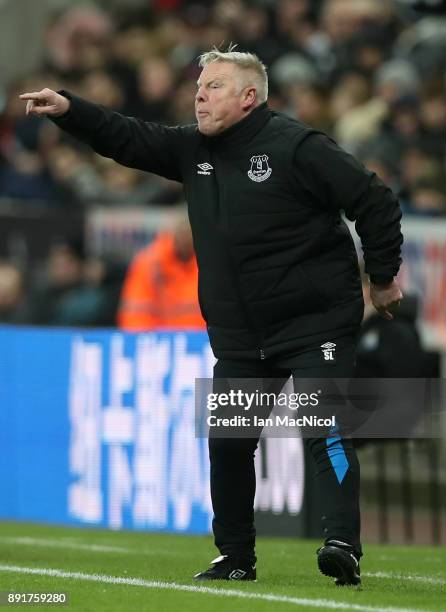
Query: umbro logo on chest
(204, 168)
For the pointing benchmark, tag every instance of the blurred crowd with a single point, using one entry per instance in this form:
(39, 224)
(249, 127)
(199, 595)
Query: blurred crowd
(69, 288)
(369, 73)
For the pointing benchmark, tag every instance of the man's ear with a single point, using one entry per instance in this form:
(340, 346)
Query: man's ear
(249, 97)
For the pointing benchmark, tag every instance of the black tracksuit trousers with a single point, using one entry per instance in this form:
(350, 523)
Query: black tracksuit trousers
(232, 459)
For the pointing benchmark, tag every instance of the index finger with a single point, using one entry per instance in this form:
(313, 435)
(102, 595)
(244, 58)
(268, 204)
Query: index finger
(34, 95)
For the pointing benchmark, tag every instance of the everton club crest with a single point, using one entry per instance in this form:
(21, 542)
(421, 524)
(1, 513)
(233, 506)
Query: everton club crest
(260, 170)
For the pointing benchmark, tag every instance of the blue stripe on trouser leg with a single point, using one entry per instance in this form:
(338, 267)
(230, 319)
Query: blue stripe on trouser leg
(337, 456)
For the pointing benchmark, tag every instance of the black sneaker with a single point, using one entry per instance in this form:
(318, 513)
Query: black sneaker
(229, 568)
(337, 559)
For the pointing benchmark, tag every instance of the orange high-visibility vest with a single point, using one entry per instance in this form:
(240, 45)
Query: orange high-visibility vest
(160, 290)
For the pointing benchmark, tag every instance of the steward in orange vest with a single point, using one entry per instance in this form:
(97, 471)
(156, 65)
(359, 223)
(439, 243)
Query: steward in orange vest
(160, 288)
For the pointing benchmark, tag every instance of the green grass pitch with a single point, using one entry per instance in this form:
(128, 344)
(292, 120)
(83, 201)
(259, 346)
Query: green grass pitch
(139, 571)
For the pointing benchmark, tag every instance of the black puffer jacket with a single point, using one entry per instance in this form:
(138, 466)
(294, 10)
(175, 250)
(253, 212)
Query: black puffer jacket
(278, 268)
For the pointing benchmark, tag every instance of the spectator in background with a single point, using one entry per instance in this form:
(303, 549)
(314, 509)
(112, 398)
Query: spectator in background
(62, 279)
(254, 32)
(428, 196)
(160, 289)
(351, 91)
(433, 119)
(357, 116)
(309, 104)
(11, 292)
(156, 81)
(75, 177)
(181, 110)
(383, 168)
(74, 291)
(414, 165)
(102, 87)
(78, 40)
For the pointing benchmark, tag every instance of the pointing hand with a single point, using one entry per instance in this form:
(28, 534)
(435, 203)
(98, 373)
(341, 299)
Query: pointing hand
(45, 102)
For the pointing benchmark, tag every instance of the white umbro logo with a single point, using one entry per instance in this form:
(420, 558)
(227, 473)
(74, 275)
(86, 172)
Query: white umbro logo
(204, 168)
(237, 574)
(328, 350)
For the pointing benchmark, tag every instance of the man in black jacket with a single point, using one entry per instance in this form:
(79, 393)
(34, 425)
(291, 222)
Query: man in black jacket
(279, 285)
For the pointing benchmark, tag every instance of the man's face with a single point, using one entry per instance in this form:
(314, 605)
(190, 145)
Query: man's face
(220, 100)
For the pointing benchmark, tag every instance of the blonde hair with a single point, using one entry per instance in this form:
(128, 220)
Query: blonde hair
(248, 62)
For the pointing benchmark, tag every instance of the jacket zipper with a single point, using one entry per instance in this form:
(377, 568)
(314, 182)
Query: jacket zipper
(250, 325)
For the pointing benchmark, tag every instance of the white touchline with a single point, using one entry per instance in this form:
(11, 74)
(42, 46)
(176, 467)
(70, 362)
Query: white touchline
(414, 577)
(70, 544)
(102, 548)
(153, 584)
(66, 544)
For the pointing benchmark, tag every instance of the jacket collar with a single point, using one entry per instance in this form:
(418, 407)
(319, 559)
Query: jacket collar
(242, 131)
